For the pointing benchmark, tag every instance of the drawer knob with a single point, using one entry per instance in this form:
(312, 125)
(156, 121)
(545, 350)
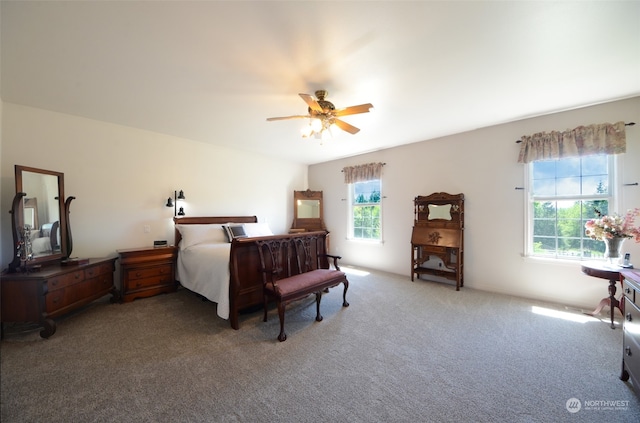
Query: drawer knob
(138, 274)
(627, 351)
(627, 291)
(629, 318)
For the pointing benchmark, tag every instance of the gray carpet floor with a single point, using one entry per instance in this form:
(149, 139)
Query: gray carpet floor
(402, 352)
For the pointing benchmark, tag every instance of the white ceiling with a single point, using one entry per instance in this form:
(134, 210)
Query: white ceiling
(213, 71)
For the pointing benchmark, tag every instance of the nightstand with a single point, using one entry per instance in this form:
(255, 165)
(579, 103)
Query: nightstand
(145, 272)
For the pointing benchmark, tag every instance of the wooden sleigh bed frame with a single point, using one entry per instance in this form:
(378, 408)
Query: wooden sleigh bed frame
(246, 279)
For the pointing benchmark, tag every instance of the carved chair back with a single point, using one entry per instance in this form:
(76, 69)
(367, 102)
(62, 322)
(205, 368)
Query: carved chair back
(284, 257)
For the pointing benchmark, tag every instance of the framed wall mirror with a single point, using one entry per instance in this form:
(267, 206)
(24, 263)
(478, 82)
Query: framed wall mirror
(39, 219)
(307, 211)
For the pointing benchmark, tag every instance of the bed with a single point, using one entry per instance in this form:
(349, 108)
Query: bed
(226, 273)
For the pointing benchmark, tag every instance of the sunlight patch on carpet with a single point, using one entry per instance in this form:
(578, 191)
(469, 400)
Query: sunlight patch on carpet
(574, 317)
(352, 271)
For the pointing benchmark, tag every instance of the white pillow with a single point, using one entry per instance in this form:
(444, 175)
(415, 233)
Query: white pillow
(41, 245)
(257, 229)
(200, 234)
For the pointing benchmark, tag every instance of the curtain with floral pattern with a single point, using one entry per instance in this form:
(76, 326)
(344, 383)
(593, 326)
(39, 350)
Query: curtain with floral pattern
(360, 173)
(605, 138)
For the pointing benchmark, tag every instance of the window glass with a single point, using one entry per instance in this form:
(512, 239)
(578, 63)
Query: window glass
(563, 195)
(365, 210)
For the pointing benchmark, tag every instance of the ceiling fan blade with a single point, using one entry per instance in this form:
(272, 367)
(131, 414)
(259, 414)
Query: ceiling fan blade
(311, 102)
(346, 126)
(288, 117)
(353, 110)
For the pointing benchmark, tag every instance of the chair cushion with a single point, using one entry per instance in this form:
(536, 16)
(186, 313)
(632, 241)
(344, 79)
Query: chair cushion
(307, 282)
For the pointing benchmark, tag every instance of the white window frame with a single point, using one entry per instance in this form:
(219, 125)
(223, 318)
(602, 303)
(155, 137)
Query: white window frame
(614, 198)
(351, 229)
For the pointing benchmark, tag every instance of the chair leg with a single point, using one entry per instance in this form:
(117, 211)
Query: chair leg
(344, 294)
(265, 308)
(318, 299)
(282, 336)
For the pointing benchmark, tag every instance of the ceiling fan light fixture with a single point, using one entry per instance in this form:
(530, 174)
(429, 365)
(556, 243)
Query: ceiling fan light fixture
(322, 115)
(316, 125)
(320, 128)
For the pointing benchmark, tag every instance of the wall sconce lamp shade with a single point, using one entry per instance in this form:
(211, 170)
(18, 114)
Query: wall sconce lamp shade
(173, 202)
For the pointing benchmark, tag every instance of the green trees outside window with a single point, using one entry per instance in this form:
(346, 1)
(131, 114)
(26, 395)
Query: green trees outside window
(366, 210)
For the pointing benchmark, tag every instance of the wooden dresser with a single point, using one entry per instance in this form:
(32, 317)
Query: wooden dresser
(631, 327)
(147, 271)
(55, 290)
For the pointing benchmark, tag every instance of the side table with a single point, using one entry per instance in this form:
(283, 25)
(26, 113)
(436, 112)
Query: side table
(147, 271)
(603, 270)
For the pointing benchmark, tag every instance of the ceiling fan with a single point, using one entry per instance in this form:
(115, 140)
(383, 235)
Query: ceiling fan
(323, 114)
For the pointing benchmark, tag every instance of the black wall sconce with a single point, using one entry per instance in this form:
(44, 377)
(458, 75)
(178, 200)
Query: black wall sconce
(173, 202)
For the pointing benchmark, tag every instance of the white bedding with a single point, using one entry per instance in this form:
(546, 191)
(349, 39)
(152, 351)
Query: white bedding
(204, 269)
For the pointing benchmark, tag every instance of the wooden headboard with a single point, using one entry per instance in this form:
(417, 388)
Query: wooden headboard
(203, 220)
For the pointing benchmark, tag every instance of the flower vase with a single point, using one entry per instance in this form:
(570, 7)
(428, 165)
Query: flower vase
(613, 249)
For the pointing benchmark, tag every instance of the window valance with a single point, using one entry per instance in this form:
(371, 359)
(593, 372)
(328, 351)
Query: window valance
(605, 138)
(360, 173)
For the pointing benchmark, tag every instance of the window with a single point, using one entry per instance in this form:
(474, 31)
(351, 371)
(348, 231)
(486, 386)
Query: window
(563, 195)
(365, 210)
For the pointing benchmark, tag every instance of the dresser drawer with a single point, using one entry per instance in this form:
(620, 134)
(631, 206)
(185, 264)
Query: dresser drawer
(149, 282)
(631, 354)
(63, 281)
(88, 288)
(631, 287)
(100, 282)
(632, 320)
(631, 335)
(630, 295)
(103, 269)
(55, 300)
(148, 276)
(140, 273)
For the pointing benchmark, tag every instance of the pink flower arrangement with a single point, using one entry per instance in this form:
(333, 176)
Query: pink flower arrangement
(614, 226)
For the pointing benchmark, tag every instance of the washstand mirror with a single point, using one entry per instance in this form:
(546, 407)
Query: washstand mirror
(439, 211)
(39, 220)
(307, 211)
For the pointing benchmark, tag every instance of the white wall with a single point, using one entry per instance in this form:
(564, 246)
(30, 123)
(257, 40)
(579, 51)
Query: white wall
(121, 178)
(482, 165)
